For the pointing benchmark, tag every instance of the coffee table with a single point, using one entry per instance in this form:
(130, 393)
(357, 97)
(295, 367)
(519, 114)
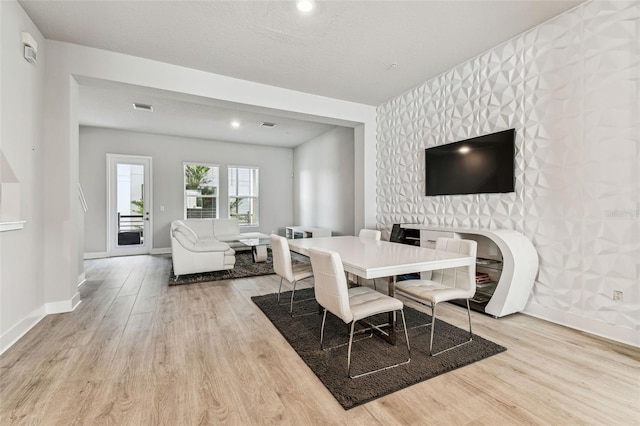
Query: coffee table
(258, 248)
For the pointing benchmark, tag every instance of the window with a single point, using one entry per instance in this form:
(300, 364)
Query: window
(200, 191)
(243, 194)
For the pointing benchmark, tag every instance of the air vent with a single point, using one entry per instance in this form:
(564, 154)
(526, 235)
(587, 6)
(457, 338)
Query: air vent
(143, 107)
(267, 124)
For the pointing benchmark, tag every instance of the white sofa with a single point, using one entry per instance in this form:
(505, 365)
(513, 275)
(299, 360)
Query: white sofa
(225, 230)
(204, 245)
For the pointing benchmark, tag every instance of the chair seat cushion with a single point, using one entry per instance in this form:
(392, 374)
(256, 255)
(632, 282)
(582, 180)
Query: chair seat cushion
(431, 291)
(365, 302)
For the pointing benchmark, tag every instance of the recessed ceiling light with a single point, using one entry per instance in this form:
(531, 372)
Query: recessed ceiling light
(235, 124)
(464, 149)
(305, 6)
(143, 107)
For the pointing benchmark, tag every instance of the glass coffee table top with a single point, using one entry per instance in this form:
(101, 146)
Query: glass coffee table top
(252, 242)
(258, 247)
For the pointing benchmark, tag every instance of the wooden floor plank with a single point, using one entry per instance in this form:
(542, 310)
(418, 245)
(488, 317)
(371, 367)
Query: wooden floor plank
(137, 351)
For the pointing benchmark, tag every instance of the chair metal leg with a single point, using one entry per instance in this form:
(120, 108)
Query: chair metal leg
(433, 322)
(292, 293)
(297, 301)
(350, 343)
(324, 319)
(280, 288)
(433, 326)
(406, 336)
(291, 302)
(469, 315)
(406, 333)
(353, 325)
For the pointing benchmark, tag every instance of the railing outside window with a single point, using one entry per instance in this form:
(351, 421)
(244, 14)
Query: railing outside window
(243, 194)
(200, 191)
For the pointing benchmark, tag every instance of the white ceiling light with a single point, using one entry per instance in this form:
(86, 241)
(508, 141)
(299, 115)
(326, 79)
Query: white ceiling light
(235, 124)
(305, 6)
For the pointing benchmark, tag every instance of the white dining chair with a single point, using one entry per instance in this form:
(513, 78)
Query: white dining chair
(445, 285)
(349, 304)
(283, 266)
(371, 234)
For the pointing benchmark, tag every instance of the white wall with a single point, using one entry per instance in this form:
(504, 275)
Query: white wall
(324, 182)
(52, 253)
(22, 300)
(570, 88)
(168, 154)
(62, 226)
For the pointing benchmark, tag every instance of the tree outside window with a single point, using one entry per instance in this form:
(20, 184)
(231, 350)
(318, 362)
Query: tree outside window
(243, 194)
(200, 191)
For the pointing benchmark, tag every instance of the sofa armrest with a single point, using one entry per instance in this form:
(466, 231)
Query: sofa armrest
(184, 234)
(190, 241)
(210, 245)
(201, 246)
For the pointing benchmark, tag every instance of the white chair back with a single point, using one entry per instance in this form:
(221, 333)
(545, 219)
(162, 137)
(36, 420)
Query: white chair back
(281, 257)
(330, 283)
(463, 277)
(371, 234)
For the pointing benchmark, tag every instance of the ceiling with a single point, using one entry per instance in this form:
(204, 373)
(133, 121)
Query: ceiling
(361, 51)
(108, 104)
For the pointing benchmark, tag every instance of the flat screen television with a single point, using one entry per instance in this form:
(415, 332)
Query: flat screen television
(480, 165)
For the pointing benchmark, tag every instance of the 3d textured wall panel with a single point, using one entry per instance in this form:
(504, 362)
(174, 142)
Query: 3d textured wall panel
(571, 89)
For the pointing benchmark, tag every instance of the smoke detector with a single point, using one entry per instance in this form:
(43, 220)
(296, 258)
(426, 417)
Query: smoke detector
(267, 124)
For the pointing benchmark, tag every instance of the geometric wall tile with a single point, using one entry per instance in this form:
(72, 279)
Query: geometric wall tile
(571, 89)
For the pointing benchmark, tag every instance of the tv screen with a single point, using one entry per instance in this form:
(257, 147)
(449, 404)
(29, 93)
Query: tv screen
(480, 165)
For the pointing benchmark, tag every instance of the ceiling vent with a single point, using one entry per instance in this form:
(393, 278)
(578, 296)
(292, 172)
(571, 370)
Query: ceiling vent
(143, 107)
(267, 124)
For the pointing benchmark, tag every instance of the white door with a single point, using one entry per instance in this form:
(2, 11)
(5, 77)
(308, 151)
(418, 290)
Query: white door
(129, 205)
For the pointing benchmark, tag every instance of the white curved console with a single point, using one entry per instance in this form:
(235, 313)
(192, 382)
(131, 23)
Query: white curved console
(507, 266)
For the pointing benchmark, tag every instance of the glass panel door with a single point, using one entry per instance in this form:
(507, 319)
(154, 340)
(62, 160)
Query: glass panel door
(129, 205)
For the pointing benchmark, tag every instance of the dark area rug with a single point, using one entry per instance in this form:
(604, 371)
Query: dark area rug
(303, 334)
(243, 268)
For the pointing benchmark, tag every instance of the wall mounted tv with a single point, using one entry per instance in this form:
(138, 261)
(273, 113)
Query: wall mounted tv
(480, 165)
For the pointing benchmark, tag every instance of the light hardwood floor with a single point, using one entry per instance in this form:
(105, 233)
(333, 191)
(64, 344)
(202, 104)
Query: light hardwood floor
(138, 352)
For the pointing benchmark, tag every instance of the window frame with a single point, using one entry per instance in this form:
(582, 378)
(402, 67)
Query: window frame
(186, 196)
(255, 198)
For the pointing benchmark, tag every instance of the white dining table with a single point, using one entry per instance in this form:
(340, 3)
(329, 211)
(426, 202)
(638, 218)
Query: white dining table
(370, 259)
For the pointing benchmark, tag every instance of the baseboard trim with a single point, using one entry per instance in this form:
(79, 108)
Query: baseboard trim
(82, 278)
(161, 251)
(104, 254)
(96, 255)
(63, 305)
(625, 335)
(16, 332)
